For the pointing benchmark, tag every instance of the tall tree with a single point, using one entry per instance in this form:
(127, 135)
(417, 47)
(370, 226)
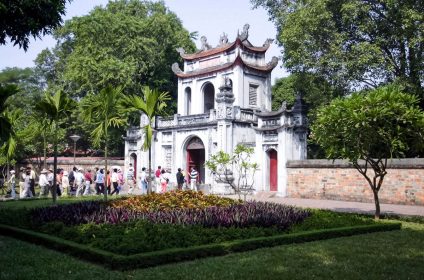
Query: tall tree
(353, 43)
(20, 20)
(104, 110)
(128, 43)
(56, 108)
(315, 90)
(5, 125)
(151, 104)
(9, 147)
(371, 127)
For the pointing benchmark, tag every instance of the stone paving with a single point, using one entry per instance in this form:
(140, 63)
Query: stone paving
(341, 206)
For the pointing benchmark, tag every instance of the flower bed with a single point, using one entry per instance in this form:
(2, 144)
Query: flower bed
(172, 200)
(162, 221)
(260, 214)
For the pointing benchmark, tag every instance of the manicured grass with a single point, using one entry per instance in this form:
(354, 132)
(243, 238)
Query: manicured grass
(43, 202)
(383, 255)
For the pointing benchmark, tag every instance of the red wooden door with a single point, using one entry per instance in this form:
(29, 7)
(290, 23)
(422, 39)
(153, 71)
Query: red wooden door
(273, 170)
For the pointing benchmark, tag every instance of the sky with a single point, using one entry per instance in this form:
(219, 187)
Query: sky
(208, 17)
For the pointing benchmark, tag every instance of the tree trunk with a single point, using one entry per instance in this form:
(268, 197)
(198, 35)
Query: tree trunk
(44, 150)
(149, 185)
(377, 205)
(105, 172)
(54, 191)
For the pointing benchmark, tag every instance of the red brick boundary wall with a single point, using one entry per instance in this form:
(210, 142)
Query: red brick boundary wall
(339, 180)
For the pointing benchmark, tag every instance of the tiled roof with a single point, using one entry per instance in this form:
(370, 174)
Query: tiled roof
(238, 61)
(245, 45)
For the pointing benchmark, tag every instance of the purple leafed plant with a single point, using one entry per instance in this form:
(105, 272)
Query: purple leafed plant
(260, 214)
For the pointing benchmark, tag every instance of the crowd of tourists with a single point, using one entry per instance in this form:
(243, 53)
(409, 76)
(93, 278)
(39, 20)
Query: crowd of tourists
(80, 182)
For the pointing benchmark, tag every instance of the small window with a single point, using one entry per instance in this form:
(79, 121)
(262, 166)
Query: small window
(253, 95)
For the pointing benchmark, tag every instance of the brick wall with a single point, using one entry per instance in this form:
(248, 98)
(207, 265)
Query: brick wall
(339, 180)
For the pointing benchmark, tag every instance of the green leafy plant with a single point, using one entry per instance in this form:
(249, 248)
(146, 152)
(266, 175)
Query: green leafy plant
(368, 128)
(152, 103)
(55, 108)
(104, 110)
(222, 164)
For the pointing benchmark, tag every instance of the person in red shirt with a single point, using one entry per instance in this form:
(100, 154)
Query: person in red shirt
(158, 172)
(88, 180)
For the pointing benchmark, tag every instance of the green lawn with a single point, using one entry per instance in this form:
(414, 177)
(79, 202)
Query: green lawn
(383, 255)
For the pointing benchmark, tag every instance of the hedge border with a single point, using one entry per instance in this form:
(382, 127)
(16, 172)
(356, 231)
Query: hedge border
(143, 260)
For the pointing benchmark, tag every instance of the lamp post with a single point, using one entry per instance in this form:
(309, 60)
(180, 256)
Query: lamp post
(75, 138)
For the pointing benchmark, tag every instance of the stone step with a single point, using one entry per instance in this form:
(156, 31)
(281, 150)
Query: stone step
(265, 194)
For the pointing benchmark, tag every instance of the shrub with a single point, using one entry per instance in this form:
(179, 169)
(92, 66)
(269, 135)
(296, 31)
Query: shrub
(143, 236)
(260, 214)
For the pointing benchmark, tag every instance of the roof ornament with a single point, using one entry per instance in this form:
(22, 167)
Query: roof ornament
(245, 34)
(181, 51)
(273, 62)
(205, 45)
(268, 42)
(284, 106)
(176, 68)
(223, 39)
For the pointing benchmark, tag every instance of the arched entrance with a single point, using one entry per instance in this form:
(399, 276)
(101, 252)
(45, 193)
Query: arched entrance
(273, 170)
(196, 157)
(209, 97)
(133, 160)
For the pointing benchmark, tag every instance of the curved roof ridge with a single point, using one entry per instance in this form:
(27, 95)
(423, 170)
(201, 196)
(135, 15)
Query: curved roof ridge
(237, 61)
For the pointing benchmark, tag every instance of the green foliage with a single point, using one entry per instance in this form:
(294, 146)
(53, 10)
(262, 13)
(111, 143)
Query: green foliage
(222, 164)
(55, 108)
(5, 126)
(180, 254)
(383, 123)
(151, 104)
(315, 90)
(129, 43)
(371, 126)
(352, 43)
(20, 20)
(142, 236)
(339, 258)
(103, 110)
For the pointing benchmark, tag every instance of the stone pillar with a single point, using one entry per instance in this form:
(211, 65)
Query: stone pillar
(225, 116)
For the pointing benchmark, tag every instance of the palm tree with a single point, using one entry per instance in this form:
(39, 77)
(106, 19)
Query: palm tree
(151, 104)
(56, 108)
(104, 110)
(5, 126)
(9, 146)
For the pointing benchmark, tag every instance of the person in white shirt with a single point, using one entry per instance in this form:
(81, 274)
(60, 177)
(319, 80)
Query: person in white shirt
(143, 181)
(114, 179)
(193, 178)
(43, 183)
(12, 184)
(79, 181)
(130, 179)
(65, 183)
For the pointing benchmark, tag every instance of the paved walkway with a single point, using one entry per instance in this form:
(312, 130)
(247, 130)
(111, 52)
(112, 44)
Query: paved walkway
(341, 206)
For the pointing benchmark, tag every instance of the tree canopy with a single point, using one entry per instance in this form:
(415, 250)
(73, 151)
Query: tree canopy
(315, 90)
(22, 19)
(372, 127)
(352, 43)
(128, 43)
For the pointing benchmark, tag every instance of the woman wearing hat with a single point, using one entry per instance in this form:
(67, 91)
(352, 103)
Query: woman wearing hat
(43, 183)
(65, 183)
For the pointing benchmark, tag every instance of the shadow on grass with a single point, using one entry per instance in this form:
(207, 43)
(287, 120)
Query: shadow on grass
(383, 255)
